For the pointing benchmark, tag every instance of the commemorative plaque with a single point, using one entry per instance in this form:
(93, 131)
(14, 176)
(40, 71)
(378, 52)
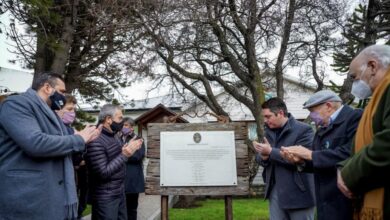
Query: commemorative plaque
(198, 158)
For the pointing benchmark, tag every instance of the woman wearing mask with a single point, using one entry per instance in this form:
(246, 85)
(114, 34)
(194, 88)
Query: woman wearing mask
(134, 182)
(68, 114)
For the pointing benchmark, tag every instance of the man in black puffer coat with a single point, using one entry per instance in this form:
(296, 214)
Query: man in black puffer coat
(106, 158)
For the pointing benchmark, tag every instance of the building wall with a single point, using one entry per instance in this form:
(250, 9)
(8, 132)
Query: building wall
(295, 96)
(15, 80)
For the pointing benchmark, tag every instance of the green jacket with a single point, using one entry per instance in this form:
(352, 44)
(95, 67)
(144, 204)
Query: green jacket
(370, 168)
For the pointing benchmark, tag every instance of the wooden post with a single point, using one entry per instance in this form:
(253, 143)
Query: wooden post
(228, 208)
(164, 208)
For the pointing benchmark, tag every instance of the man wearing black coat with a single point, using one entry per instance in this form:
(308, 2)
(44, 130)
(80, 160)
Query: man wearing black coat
(332, 143)
(291, 193)
(106, 159)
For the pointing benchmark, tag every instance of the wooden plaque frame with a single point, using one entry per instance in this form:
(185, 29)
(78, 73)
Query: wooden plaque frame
(152, 185)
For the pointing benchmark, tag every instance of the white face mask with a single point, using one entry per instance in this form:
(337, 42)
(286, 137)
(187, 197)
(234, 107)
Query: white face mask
(361, 89)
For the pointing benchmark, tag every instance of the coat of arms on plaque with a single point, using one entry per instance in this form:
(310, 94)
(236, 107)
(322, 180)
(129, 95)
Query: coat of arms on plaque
(197, 138)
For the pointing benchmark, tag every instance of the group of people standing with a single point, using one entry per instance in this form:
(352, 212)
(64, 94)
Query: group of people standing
(340, 170)
(40, 152)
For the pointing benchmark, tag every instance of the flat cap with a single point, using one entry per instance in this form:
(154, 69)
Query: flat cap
(321, 97)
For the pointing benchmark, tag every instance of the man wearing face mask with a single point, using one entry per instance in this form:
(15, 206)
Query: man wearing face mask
(365, 176)
(36, 171)
(336, 127)
(134, 183)
(106, 158)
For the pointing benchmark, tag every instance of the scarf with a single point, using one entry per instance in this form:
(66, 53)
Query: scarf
(373, 201)
(70, 200)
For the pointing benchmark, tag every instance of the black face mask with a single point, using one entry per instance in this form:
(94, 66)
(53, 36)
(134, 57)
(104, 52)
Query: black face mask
(57, 101)
(116, 127)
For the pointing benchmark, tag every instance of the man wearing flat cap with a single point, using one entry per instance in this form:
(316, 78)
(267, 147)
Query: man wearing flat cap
(336, 127)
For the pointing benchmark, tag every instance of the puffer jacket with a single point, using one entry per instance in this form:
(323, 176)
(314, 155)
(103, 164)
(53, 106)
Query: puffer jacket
(106, 165)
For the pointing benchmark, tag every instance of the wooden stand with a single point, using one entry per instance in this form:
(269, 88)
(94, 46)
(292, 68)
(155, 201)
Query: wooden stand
(164, 208)
(228, 208)
(152, 186)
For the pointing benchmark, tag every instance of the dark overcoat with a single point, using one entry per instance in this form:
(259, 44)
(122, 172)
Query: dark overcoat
(135, 182)
(295, 189)
(34, 154)
(331, 145)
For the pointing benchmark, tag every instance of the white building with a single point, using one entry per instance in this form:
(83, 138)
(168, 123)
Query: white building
(14, 80)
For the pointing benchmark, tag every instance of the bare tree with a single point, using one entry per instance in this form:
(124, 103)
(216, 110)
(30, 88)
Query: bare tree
(212, 46)
(292, 6)
(314, 37)
(209, 46)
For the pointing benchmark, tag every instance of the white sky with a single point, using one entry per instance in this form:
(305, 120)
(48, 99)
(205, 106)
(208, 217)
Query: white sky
(5, 55)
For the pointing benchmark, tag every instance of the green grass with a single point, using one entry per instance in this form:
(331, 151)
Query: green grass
(243, 209)
(87, 210)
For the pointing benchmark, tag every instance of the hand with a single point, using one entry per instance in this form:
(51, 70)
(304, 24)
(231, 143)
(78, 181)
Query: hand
(90, 133)
(342, 187)
(60, 113)
(131, 147)
(299, 151)
(289, 156)
(263, 148)
(82, 163)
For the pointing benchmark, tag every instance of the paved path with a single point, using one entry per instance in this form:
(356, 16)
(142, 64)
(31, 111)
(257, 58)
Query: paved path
(148, 208)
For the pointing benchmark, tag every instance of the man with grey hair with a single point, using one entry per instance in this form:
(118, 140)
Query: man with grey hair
(364, 176)
(332, 142)
(106, 158)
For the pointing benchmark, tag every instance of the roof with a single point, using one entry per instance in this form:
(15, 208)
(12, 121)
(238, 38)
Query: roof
(296, 93)
(156, 114)
(172, 103)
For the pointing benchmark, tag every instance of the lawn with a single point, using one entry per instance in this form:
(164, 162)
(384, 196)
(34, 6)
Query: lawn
(88, 210)
(243, 209)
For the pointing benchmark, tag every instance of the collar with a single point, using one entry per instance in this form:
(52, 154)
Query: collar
(33, 95)
(105, 131)
(285, 127)
(333, 117)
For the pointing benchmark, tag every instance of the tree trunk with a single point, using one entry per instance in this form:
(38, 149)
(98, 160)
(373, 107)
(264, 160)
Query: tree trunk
(61, 55)
(320, 83)
(283, 49)
(345, 91)
(370, 33)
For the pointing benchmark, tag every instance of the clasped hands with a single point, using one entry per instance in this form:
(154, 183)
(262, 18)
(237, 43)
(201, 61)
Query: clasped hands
(292, 154)
(264, 149)
(296, 154)
(132, 146)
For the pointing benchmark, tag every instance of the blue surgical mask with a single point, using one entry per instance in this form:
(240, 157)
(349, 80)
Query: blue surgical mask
(361, 89)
